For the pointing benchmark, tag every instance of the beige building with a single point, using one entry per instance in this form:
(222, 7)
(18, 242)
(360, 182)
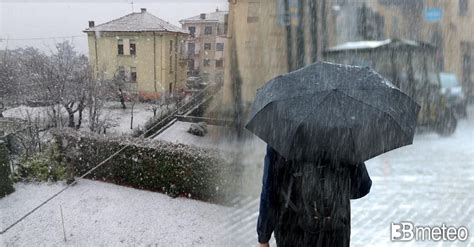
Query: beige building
(455, 38)
(450, 31)
(205, 45)
(268, 38)
(141, 48)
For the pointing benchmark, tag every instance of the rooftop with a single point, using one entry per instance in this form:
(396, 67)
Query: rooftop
(373, 44)
(136, 22)
(217, 16)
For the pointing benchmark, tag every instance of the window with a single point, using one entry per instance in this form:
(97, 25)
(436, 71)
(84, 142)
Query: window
(133, 74)
(120, 47)
(208, 30)
(133, 48)
(463, 7)
(252, 12)
(192, 31)
(220, 47)
(207, 62)
(219, 63)
(207, 46)
(191, 48)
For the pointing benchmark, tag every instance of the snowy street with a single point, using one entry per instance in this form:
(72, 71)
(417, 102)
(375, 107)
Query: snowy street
(102, 214)
(428, 183)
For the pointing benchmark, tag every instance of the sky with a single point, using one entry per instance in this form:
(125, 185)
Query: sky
(41, 24)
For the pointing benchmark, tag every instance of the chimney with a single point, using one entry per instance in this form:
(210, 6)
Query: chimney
(203, 16)
(91, 24)
(143, 10)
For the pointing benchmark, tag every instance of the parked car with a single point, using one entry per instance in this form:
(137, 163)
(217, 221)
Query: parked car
(452, 90)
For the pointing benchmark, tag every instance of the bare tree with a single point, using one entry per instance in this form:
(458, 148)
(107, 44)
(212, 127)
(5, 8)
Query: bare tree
(59, 79)
(9, 74)
(99, 91)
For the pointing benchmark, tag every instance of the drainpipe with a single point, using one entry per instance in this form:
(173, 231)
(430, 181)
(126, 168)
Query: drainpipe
(96, 56)
(313, 5)
(300, 44)
(289, 42)
(162, 67)
(176, 61)
(154, 63)
(324, 25)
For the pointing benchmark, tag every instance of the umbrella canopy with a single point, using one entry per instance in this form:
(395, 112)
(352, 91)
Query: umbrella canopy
(347, 112)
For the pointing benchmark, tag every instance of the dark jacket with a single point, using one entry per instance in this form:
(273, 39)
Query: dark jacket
(268, 212)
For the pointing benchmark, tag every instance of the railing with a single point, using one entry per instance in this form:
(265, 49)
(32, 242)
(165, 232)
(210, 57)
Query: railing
(183, 108)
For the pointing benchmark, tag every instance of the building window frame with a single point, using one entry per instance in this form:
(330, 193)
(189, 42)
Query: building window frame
(219, 63)
(463, 7)
(219, 46)
(192, 31)
(133, 74)
(133, 47)
(208, 30)
(120, 47)
(253, 12)
(206, 62)
(207, 46)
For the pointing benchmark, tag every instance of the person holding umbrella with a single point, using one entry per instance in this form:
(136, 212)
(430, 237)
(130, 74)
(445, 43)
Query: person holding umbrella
(321, 123)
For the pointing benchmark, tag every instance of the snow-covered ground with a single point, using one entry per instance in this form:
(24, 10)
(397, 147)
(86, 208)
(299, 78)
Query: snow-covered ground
(102, 214)
(118, 119)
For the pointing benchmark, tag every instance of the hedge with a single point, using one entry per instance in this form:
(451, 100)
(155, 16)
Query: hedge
(174, 169)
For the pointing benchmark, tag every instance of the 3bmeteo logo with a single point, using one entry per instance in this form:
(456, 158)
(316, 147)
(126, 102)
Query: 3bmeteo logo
(407, 231)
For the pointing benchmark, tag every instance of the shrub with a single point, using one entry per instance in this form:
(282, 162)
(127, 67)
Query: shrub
(43, 166)
(175, 169)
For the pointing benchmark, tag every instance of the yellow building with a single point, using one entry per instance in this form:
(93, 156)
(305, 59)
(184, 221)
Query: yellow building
(141, 48)
(269, 38)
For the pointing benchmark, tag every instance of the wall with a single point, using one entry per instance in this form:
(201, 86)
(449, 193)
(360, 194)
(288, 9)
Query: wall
(151, 49)
(262, 44)
(200, 53)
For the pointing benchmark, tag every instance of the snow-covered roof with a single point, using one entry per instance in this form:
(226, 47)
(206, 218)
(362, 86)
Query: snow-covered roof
(218, 16)
(372, 44)
(136, 22)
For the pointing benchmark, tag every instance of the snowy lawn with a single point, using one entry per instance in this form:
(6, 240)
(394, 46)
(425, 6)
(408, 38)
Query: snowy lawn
(117, 119)
(102, 214)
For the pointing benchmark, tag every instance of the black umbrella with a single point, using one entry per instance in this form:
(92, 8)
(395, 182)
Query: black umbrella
(348, 112)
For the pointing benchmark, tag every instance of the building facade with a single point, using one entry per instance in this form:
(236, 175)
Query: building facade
(443, 23)
(141, 49)
(204, 47)
(269, 38)
(455, 39)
